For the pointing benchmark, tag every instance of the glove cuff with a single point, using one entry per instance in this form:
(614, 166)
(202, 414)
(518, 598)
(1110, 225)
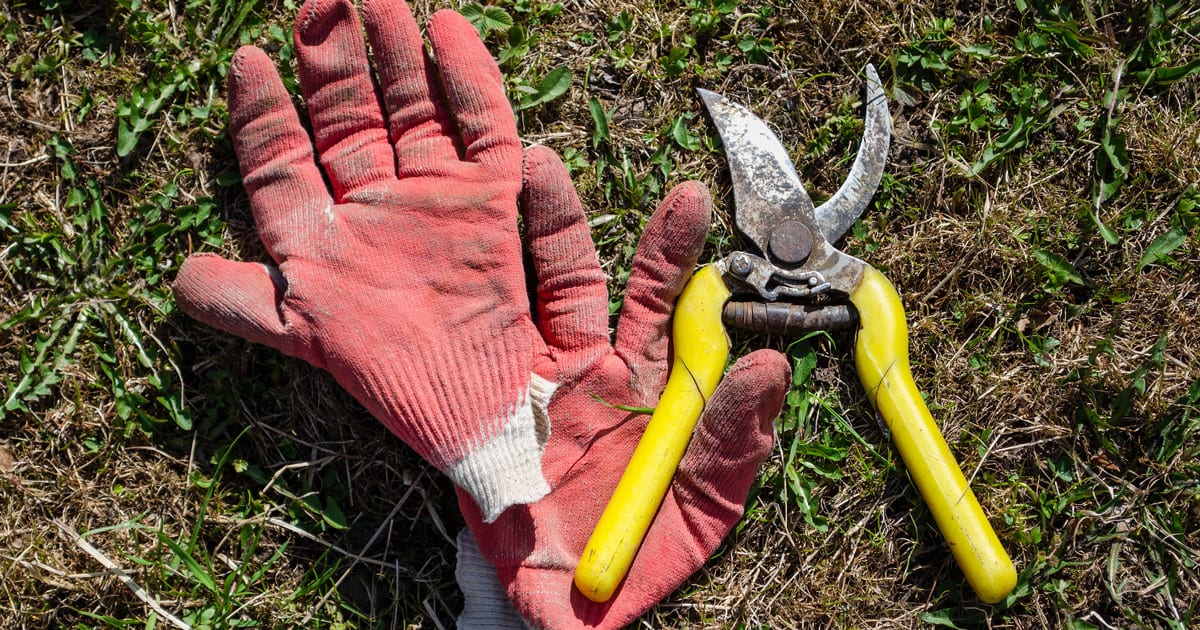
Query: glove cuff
(465, 403)
(506, 469)
(485, 604)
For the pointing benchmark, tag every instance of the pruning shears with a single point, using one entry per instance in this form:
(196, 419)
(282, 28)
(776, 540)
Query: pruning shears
(793, 281)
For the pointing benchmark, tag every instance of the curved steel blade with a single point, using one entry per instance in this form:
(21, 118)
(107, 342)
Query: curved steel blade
(766, 188)
(836, 216)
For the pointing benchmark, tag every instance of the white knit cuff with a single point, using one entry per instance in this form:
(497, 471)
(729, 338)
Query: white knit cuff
(485, 605)
(506, 469)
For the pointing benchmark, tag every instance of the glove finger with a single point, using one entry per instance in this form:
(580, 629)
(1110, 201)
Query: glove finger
(708, 492)
(421, 129)
(572, 298)
(241, 298)
(287, 192)
(710, 487)
(335, 75)
(664, 261)
(733, 436)
(475, 92)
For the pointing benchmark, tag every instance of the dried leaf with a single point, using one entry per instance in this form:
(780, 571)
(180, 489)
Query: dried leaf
(8, 461)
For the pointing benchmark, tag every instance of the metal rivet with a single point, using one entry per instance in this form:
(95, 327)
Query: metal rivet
(740, 265)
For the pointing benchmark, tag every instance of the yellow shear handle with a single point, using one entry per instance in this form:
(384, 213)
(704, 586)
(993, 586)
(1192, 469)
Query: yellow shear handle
(881, 355)
(701, 350)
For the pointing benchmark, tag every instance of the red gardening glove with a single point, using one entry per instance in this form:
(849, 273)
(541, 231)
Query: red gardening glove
(536, 547)
(406, 282)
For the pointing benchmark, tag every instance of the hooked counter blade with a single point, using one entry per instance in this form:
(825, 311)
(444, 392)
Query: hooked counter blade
(836, 216)
(766, 189)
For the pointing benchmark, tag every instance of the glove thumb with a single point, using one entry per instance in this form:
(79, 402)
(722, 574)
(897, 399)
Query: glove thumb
(732, 438)
(237, 297)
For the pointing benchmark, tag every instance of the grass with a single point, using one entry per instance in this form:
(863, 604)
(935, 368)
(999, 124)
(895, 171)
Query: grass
(1039, 216)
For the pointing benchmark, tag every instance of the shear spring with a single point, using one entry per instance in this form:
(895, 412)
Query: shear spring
(778, 318)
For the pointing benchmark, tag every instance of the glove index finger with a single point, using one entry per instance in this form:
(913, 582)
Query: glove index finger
(475, 92)
(275, 153)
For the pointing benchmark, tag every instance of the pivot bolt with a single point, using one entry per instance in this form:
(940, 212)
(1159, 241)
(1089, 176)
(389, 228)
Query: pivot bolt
(791, 242)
